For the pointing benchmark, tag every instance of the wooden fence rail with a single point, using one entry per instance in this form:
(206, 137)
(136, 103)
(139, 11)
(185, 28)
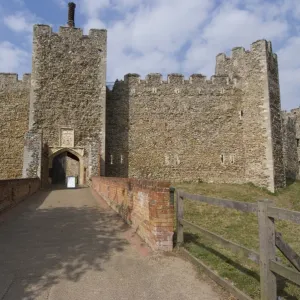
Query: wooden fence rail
(269, 239)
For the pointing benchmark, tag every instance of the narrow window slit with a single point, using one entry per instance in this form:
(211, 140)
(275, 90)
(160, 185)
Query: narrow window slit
(232, 159)
(222, 158)
(241, 114)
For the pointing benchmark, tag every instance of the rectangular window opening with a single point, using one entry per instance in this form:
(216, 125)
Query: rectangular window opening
(298, 142)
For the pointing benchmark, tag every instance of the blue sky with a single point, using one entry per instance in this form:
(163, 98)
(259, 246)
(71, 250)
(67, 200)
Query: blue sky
(164, 36)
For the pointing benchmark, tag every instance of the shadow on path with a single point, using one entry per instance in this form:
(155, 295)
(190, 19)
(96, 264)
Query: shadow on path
(54, 235)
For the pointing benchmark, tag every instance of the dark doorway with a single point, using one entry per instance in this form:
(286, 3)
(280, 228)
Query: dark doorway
(59, 169)
(63, 165)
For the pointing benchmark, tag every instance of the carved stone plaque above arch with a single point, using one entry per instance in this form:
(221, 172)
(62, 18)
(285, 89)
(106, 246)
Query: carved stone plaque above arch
(66, 137)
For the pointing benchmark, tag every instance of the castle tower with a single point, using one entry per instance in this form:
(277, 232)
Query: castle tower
(257, 73)
(226, 129)
(67, 103)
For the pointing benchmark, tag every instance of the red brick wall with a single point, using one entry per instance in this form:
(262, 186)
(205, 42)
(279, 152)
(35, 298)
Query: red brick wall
(144, 204)
(13, 191)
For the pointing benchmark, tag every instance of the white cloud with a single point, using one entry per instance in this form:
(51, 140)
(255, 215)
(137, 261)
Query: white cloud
(93, 23)
(230, 27)
(61, 3)
(185, 36)
(92, 7)
(13, 59)
(290, 72)
(159, 29)
(155, 32)
(21, 21)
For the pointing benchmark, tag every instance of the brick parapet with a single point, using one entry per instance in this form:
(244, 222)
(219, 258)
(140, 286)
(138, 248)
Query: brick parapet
(13, 191)
(142, 203)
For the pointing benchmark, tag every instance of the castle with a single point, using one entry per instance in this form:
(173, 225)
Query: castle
(62, 120)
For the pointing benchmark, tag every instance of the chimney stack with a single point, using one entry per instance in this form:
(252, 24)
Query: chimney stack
(71, 14)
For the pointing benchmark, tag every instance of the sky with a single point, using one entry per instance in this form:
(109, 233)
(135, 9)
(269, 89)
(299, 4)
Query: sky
(163, 36)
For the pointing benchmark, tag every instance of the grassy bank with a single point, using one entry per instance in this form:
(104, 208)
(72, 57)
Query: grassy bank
(241, 228)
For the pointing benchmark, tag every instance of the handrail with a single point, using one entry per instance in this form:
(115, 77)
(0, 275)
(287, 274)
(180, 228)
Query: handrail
(238, 205)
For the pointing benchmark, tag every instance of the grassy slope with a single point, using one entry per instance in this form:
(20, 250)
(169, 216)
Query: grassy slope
(241, 228)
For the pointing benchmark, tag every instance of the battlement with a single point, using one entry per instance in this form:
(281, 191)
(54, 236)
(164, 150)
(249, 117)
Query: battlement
(12, 79)
(293, 112)
(40, 30)
(240, 52)
(288, 119)
(177, 79)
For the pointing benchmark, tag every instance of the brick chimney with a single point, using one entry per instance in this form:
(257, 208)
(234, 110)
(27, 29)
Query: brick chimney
(71, 14)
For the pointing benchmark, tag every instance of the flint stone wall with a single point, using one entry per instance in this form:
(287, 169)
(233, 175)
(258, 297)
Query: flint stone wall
(258, 73)
(175, 130)
(68, 90)
(226, 129)
(291, 140)
(14, 114)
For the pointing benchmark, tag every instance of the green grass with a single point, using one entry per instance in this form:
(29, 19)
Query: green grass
(241, 228)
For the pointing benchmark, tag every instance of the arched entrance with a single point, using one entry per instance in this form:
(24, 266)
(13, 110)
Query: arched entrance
(65, 163)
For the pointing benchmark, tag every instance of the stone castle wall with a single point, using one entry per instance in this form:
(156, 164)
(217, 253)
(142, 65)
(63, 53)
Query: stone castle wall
(176, 129)
(275, 118)
(14, 114)
(257, 71)
(68, 90)
(291, 158)
(227, 129)
(295, 114)
(291, 139)
(224, 129)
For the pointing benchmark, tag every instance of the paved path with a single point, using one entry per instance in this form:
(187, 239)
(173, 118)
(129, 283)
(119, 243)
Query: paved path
(63, 245)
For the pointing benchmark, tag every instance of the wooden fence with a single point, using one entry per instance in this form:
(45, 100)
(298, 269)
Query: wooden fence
(269, 239)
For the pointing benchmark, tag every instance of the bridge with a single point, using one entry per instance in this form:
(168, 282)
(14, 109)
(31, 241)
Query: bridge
(68, 244)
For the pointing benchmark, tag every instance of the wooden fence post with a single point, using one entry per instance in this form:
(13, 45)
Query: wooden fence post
(267, 251)
(179, 215)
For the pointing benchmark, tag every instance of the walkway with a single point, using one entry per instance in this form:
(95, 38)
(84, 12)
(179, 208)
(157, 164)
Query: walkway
(63, 245)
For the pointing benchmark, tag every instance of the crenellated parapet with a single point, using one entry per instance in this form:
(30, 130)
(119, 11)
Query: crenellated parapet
(44, 33)
(67, 32)
(10, 81)
(239, 57)
(174, 79)
(294, 115)
(154, 83)
(295, 112)
(257, 73)
(260, 46)
(289, 119)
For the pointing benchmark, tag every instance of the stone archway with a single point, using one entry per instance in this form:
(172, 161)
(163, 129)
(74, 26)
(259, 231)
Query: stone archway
(66, 162)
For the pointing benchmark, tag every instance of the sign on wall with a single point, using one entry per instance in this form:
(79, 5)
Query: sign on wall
(71, 182)
(67, 137)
